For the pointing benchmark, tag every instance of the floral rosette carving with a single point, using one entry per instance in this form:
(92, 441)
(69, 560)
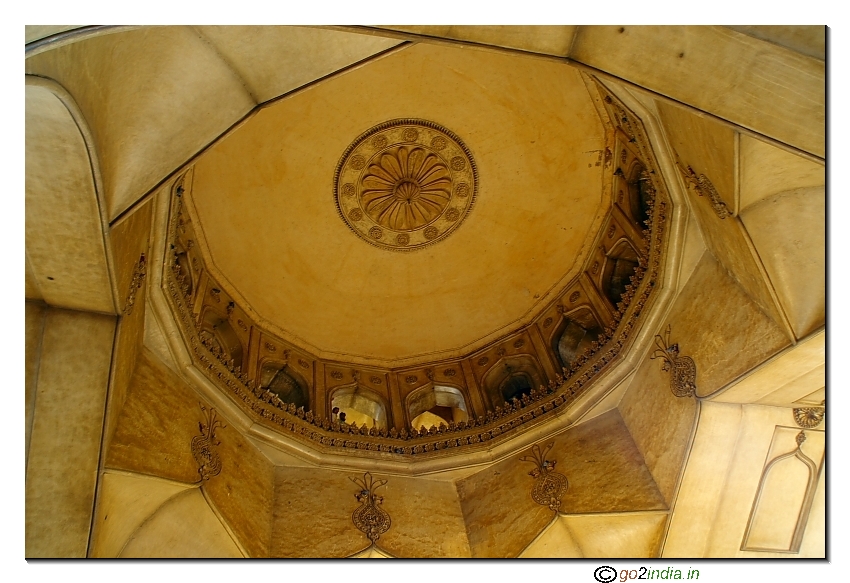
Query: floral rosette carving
(683, 382)
(549, 485)
(405, 184)
(209, 463)
(809, 417)
(370, 518)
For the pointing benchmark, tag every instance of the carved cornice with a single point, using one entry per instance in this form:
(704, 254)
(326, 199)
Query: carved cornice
(703, 187)
(541, 404)
(139, 273)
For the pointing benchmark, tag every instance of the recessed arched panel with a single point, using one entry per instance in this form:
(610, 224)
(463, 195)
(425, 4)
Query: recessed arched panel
(436, 405)
(619, 268)
(512, 378)
(577, 330)
(360, 405)
(284, 382)
(215, 328)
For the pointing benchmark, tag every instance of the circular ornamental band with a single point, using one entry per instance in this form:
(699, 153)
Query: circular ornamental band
(405, 184)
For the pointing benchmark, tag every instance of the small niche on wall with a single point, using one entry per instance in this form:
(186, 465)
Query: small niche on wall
(435, 406)
(361, 406)
(286, 384)
(576, 332)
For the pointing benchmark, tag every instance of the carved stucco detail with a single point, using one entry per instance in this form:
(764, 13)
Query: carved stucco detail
(541, 403)
(209, 462)
(369, 517)
(139, 274)
(703, 187)
(549, 485)
(683, 380)
(405, 184)
(809, 417)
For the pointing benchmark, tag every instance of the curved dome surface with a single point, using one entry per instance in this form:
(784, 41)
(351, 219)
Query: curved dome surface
(264, 201)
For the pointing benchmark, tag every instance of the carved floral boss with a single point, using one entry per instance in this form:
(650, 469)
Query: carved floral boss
(405, 184)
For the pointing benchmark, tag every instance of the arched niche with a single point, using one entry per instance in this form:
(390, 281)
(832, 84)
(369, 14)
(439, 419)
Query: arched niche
(284, 382)
(360, 406)
(576, 331)
(217, 331)
(620, 265)
(782, 504)
(436, 405)
(637, 179)
(512, 378)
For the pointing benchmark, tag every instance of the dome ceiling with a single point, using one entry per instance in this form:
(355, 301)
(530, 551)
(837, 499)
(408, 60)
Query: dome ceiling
(265, 203)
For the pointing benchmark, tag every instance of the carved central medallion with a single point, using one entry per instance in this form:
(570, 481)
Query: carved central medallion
(405, 184)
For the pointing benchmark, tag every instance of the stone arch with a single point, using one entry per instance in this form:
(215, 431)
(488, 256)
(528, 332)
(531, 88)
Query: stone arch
(637, 181)
(575, 332)
(286, 383)
(432, 405)
(216, 330)
(620, 265)
(512, 377)
(360, 405)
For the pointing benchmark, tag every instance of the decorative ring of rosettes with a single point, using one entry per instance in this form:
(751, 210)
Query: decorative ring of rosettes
(405, 184)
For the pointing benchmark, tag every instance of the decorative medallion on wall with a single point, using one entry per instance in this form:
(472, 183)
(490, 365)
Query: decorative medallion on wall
(683, 383)
(209, 464)
(372, 520)
(405, 184)
(549, 485)
(809, 417)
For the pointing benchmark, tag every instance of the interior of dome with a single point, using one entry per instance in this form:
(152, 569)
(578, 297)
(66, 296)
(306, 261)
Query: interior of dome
(461, 291)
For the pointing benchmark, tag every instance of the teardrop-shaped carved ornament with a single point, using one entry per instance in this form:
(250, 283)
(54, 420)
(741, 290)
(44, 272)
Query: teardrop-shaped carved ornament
(683, 382)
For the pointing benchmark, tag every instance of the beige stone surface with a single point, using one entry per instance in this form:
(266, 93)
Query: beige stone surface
(126, 501)
(726, 238)
(718, 70)
(67, 426)
(555, 542)
(628, 535)
(312, 514)
(31, 283)
(605, 473)
(704, 144)
(785, 379)
(788, 230)
(129, 239)
(767, 170)
(531, 127)
(156, 425)
(547, 40)
(273, 60)
(704, 480)
(755, 442)
(244, 491)
(659, 423)
(184, 527)
(153, 97)
(34, 313)
(427, 520)
(605, 468)
(64, 241)
(717, 324)
(33, 32)
(806, 39)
